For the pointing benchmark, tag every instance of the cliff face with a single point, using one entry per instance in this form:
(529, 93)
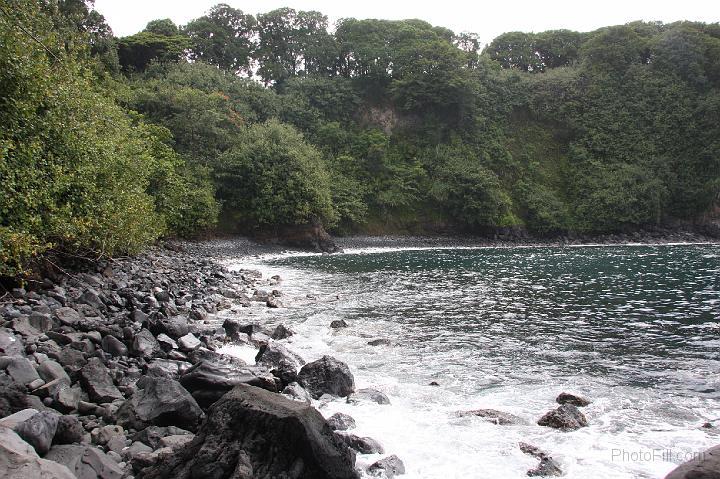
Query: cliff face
(310, 236)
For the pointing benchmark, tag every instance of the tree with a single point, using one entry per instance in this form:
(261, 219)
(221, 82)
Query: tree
(275, 178)
(223, 37)
(137, 51)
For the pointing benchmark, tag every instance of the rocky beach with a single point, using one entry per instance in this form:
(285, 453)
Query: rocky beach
(116, 369)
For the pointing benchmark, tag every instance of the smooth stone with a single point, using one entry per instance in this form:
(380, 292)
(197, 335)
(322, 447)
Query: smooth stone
(22, 371)
(14, 419)
(113, 346)
(50, 370)
(85, 461)
(18, 460)
(338, 324)
(39, 430)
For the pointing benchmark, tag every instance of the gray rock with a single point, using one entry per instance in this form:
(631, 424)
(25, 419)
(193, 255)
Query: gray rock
(22, 371)
(273, 302)
(145, 345)
(379, 342)
(14, 419)
(175, 326)
(116, 444)
(575, 400)
(494, 416)
(41, 322)
(161, 402)
(67, 399)
(152, 435)
(86, 462)
(167, 343)
(368, 395)
(102, 435)
(18, 460)
(50, 370)
(38, 431)
(566, 417)
(547, 467)
(260, 435)
(96, 380)
(71, 359)
(327, 375)
(10, 345)
(341, 422)
(189, 342)
(389, 467)
(91, 298)
(176, 441)
(113, 346)
(705, 466)
(363, 445)
(68, 316)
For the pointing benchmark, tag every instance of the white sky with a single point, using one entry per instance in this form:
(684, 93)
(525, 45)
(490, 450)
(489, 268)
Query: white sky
(488, 18)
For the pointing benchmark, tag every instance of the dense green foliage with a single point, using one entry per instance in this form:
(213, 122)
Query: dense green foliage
(378, 126)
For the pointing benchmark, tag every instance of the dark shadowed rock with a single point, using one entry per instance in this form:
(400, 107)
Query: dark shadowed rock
(281, 362)
(86, 462)
(363, 445)
(252, 433)
(547, 465)
(96, 380)
(368, 395)
(388, 467)
(281, 332)
(161, 402)
(494, 416)
(113, 346)
(153, 434)
(341, 422)
(69, 430)
(18, 460)
(327, 375)
(379, 342)
(39, 430)
(705, 466)
(567, 398)
(567, 418)
(175, 327)
(311, 236)
(338, 324)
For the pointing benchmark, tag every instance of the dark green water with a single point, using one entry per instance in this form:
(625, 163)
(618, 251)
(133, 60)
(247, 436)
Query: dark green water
(636, 328)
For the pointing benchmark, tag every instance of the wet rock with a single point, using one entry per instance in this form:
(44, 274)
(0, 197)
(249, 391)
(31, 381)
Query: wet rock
(113, 346)
(69, 430)
(368, 395)
(281, 332)
(297, 393)
(363, 445)
(261, 435)
(379, 342)
(494, 416)
(338, 324)
(434, 383)
(145, 345)
(281, 362)
(71, 359)
(38, 431)
(327, 375)
(567, 398)
(388, 467)
(567, 418)
(18, 460)
(161, 402)
(85, 461)
(175, 327)
(273, 302)
(341, 422)
(21, 371)
(166, 343)
(705, 466)
(96, 380)
(91, 298)
(235, 330)
(547, 465)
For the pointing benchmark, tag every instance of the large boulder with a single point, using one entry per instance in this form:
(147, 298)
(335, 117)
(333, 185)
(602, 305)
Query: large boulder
(96, 380)
(705, 466)
(574, 399)
(341, 422)
(327, 375)
(253, 433)
(86, 462)
(22, 371)
(567, 418)
(161, 402)
(18, 460)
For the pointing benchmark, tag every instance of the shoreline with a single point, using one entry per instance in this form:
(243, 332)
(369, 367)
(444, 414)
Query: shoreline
(96, 355)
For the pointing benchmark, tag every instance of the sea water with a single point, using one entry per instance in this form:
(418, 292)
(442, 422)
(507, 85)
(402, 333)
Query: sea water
(636, 329)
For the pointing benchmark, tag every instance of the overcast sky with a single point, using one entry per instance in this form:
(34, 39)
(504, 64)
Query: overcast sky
(487, 18)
